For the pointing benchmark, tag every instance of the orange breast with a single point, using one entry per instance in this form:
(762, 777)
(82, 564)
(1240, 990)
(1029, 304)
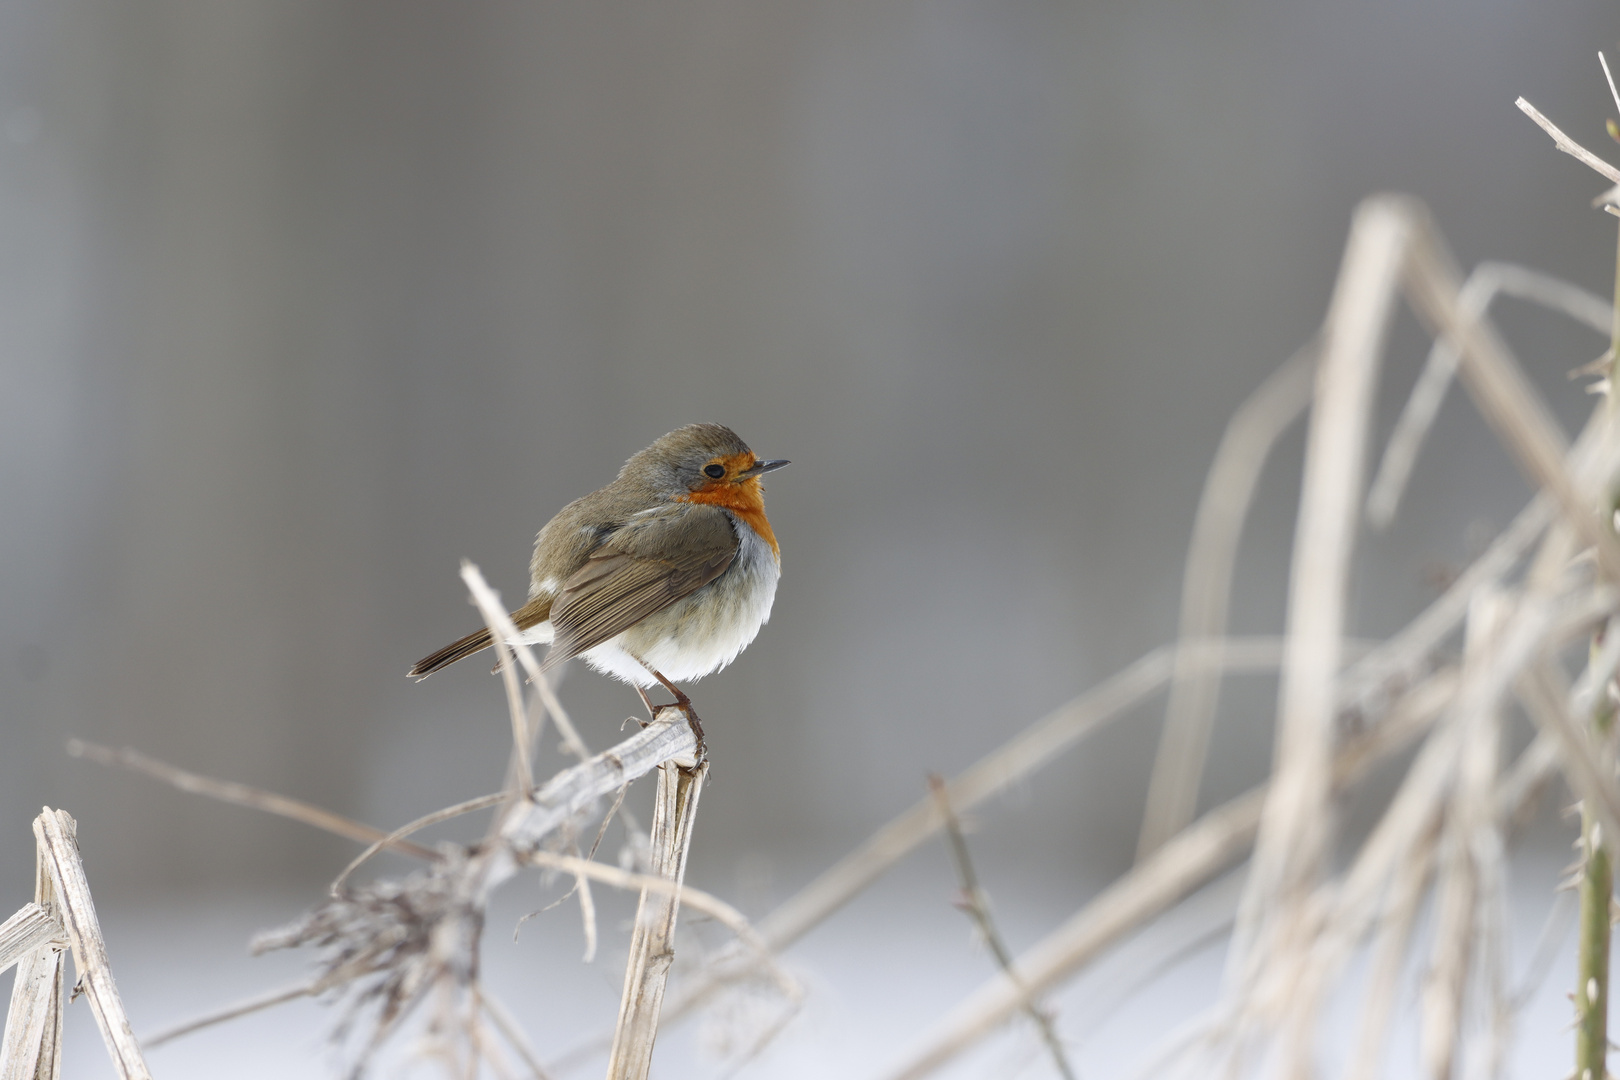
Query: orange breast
(746, 500)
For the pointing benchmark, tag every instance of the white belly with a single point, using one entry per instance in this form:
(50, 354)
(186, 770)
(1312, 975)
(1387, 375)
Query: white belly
(698, 634)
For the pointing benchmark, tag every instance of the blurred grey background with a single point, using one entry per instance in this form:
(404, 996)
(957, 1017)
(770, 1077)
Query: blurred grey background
(301, 303)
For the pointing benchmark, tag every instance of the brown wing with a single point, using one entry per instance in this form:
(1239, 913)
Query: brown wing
(640, 568)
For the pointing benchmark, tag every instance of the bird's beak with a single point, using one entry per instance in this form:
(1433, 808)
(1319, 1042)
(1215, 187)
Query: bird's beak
(759, 468)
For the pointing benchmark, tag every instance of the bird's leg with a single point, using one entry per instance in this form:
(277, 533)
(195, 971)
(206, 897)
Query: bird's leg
(680, 699)
(645, 700)
(682, 702)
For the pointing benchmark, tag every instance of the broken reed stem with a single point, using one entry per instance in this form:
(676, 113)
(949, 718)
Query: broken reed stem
(977, 905)
(242, 795)
(59, 853)
(30, 929)
(32, 1045)
(652, 944)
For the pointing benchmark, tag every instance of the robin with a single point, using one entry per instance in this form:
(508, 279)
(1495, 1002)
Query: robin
(665, 574)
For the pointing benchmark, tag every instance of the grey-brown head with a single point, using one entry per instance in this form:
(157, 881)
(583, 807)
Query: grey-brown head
(694, 458)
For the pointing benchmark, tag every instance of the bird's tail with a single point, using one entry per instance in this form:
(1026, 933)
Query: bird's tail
(531, 614)
(456, 650)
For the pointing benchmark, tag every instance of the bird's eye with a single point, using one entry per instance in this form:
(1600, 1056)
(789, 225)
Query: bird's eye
(715, 471)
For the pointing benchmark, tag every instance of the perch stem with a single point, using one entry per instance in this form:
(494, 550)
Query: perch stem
(652, 950)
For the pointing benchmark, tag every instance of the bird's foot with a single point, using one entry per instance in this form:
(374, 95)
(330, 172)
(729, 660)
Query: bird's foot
(683, 703)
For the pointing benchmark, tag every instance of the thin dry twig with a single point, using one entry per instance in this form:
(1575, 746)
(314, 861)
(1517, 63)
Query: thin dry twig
(977, 905)
(231, 1012)
(482, 802)
(1569, 145)
(512, 1031)
(502, 629)
(1196, 854)
(241, 795)
(688, 896)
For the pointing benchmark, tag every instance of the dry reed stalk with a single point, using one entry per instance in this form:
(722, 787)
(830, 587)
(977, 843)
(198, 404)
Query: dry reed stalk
(1395, 926)
(1228, 492)
(394, 946)
(503, 630)
(1284, 995)
(1295, 831)
(1421, 264)
(652, 943)
(1206, 590)
(1196, 854)
(1466, 876)
(562, 797)
(412, 935)
(1392, 247)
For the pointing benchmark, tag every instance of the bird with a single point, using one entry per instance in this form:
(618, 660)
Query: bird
(664, 575)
